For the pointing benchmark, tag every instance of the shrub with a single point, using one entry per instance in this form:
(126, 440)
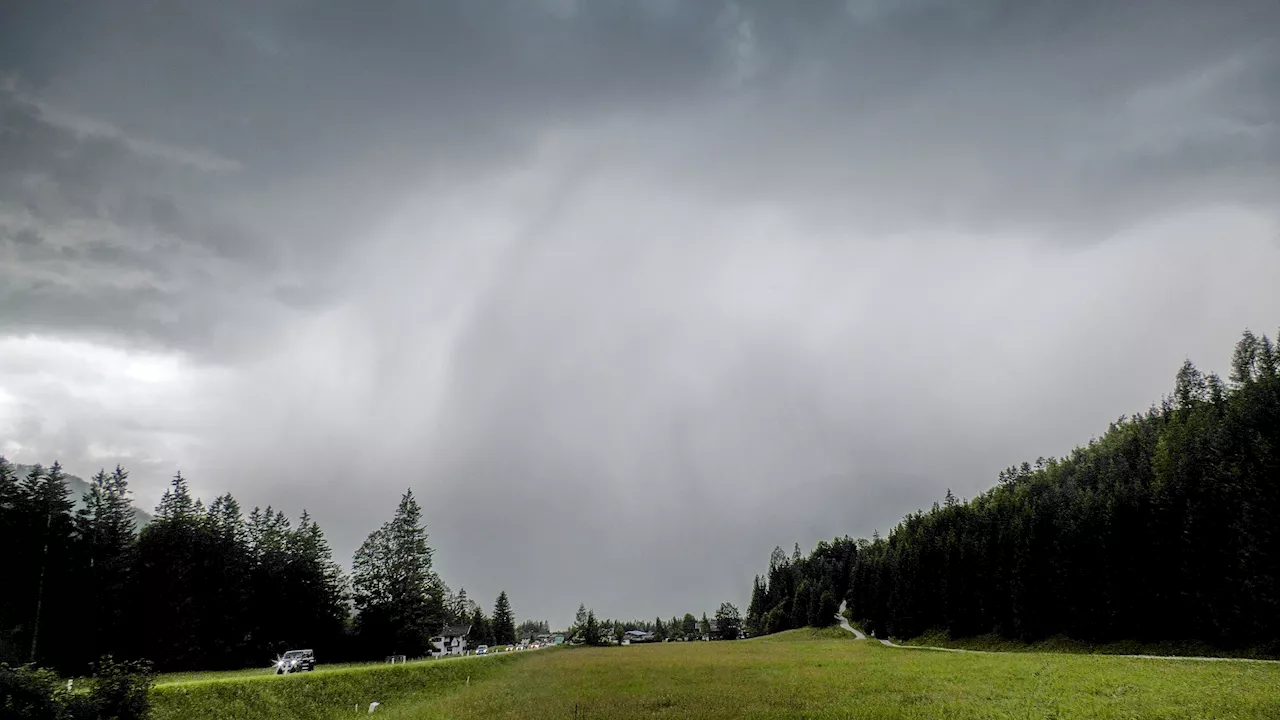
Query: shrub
(122, 690)
(119, 691)
(27, 693)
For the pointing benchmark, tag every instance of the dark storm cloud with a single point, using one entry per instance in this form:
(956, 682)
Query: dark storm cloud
(112, 237)
(644, 287)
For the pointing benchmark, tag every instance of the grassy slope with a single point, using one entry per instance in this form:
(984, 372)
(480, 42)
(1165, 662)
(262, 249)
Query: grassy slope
(1067, 645)
(803, 673)
(332, 691)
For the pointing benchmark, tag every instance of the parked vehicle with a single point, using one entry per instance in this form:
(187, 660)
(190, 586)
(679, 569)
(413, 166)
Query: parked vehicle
(482, 650)
(295, 661)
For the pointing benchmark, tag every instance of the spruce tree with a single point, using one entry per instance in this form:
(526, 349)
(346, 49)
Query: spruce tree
(758, 606)
(107, 532)
(318, 586)
(51, 564)
(397, 595)
(482, 629)
(504, 624)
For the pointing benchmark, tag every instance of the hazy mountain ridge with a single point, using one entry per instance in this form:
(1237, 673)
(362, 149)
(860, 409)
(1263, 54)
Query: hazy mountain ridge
(79, 487)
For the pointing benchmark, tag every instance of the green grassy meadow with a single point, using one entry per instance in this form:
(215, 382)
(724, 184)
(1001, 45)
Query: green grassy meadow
(1068, 645)
(803, 673)
(333, 691)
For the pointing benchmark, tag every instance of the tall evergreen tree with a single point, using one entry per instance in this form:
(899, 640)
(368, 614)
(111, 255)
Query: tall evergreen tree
(191, 568)
(107, 531)
(591, 629)
(50, 563)
(317, 588)
(758, 606)
(397, 595)
(504, 621)
(482, 628)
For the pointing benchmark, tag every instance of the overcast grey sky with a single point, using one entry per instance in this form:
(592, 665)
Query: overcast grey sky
(628, 293)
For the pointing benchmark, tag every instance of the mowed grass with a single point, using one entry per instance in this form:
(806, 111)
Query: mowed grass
(803, 673)
(266, 671)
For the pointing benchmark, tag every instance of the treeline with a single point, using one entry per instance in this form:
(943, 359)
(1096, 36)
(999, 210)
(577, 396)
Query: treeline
(206, 587)
(801, 591)
(496, 629)
(1166, 528)
(588, 630)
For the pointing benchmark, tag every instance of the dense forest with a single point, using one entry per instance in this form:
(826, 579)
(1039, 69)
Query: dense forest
(801, 591)
(1165, 528)
(206, 587)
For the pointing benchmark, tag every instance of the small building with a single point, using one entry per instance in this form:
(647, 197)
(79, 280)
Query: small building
(452, 640)
(638, 636)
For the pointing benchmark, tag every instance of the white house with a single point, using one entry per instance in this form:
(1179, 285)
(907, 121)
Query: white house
(452, 640)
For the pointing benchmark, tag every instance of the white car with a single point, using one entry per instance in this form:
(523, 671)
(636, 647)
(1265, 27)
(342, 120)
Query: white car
(482, 650)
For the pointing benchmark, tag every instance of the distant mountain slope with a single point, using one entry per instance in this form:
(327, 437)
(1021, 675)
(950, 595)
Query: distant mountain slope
(78, 487)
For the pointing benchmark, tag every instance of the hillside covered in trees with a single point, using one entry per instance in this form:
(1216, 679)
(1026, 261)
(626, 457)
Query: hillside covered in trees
(205, 587)
(1165, 528)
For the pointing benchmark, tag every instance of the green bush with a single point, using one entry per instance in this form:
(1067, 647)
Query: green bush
(122, 690)
(28, 693)
(119, 691)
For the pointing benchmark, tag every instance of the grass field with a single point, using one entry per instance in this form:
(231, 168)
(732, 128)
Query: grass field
(811, 674)
(1068, 645)
(331, 691)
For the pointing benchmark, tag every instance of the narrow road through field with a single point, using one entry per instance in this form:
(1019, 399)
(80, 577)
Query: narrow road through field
(844, 623)
(857, 635)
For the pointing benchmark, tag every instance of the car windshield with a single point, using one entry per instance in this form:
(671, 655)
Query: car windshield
(295, 654)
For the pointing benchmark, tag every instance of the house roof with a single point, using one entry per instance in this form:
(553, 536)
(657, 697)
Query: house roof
(456, 630)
